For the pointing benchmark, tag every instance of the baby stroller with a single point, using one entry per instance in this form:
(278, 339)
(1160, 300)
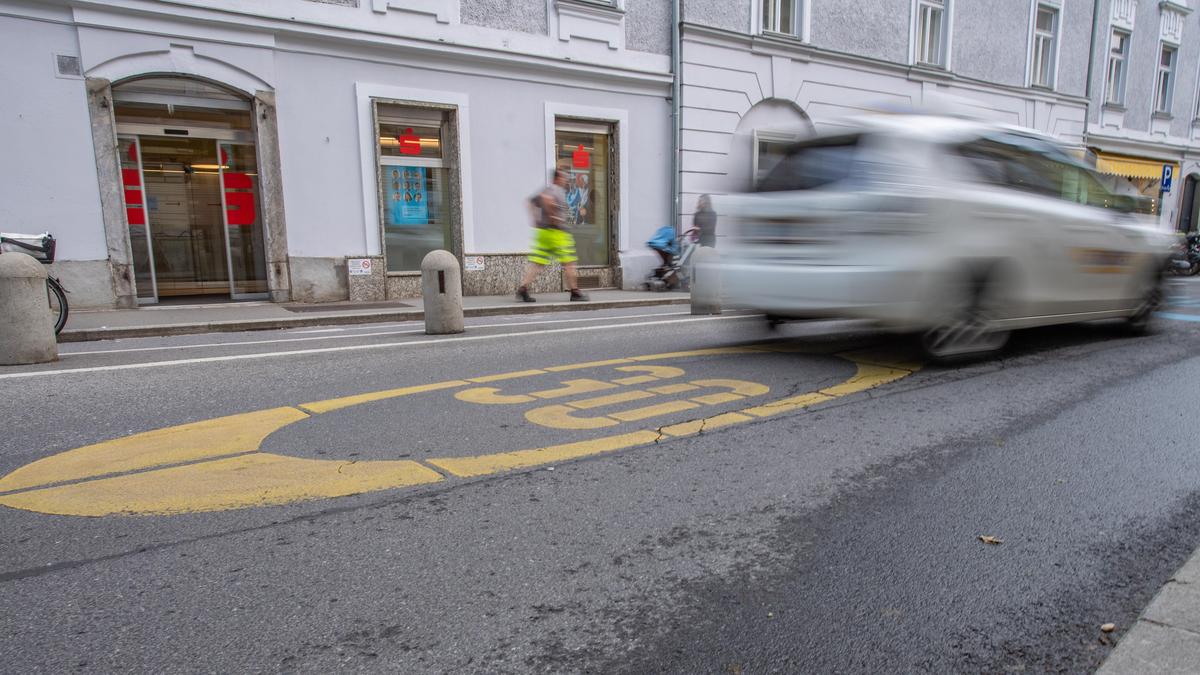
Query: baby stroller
(676, 253)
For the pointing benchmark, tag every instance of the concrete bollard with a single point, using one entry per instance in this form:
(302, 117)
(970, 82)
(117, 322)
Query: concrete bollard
(26, 328)
(706, 281)
(441, 289)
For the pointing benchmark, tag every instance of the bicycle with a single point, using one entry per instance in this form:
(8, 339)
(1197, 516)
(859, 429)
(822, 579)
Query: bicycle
(41, 247)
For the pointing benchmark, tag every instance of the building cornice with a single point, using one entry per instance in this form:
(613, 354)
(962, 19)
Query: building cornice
(804, 52)
(493, 48)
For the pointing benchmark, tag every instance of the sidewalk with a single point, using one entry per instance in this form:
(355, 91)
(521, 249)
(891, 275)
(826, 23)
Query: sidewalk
(1166, 638)
(151, 321)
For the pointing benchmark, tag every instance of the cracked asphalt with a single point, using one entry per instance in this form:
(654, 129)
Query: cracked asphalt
(838, 538)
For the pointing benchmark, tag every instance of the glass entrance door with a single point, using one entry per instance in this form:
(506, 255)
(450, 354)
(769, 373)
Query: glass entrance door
(243, 221)
(195, 225)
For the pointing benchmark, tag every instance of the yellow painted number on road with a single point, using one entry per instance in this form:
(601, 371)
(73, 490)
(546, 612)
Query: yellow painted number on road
(217, 464)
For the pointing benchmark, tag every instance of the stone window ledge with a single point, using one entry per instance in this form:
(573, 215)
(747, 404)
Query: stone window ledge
(1114, 107)
(598, 22)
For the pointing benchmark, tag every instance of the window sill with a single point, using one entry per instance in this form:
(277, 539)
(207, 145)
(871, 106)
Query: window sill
(1159, 115)
(598, 8)
(1042, 87)
(1114, 107)
(781, 36)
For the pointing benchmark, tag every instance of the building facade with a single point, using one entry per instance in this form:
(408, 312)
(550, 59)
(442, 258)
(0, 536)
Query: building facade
(1144, 122)
(315, 150)
(758, 73)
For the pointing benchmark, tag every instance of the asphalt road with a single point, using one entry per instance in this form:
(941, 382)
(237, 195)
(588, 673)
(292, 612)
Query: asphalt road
(841, 535)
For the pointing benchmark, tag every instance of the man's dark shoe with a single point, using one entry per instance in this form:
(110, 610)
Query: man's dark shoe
(576, 296)
(524, 296)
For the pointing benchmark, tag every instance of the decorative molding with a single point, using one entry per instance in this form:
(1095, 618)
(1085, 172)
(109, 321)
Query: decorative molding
(445, 11)
(1172, 15)
(1124, 14)
(591, 21)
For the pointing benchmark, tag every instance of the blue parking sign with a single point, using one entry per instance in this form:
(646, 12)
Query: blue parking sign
(1168, 174)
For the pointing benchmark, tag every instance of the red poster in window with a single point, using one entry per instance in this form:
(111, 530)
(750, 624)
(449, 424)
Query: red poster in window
(237, 181)
(136, 215)
(580, 159)
(239, 208)
(133, 197)
(130, 178)
(410, 143)
(133, 152)
(224, 158)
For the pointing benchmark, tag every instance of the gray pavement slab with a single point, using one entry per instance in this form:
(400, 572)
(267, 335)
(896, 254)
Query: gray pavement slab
(1152, 648)
(243, 316)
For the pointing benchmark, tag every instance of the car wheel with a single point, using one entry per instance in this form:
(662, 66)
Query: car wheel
(1193, 270)
(968, 330)
(1142, 320)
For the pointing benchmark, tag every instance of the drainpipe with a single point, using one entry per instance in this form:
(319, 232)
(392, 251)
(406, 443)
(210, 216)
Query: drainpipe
(676, 116)
(1087, 88)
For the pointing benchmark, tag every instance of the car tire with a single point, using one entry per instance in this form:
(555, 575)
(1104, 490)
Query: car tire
(967, 332)
(1142, 320)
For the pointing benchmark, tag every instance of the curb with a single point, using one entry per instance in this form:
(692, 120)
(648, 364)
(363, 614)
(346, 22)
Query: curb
(163, 330)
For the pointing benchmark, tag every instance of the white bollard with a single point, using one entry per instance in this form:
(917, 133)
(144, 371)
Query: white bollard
(26, 327)
(441, 289)
(706, 281)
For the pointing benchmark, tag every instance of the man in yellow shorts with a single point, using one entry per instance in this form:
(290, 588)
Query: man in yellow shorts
(551, 240)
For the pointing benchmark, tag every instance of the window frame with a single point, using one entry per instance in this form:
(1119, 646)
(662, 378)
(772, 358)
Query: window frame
(1118, 97)
(944, 36)
(1038, 37)
(450, 148)
(1168, 72)
(801, 19)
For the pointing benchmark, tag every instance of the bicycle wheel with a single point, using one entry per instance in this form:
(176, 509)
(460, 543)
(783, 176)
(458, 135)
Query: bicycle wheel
(58, 303)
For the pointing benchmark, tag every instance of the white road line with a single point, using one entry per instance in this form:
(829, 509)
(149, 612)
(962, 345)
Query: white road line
(352, 336)
(348, 348)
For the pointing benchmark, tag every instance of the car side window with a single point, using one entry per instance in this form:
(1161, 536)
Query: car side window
(1016, 163)
(813, 165)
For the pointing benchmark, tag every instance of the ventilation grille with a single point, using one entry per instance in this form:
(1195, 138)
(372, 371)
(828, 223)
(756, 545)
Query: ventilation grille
(68, 65)
(588, 282)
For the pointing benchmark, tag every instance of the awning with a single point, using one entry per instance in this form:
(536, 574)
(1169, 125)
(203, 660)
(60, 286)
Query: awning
(1132, 167)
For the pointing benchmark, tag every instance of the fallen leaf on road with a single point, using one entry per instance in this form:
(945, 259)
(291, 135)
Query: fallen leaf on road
(1108, 627)
(989, 539)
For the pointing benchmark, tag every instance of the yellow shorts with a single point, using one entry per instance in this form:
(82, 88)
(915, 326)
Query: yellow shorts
(550, 244)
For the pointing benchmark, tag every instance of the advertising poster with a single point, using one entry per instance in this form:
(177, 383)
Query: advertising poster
(406, 196)
(579, 193)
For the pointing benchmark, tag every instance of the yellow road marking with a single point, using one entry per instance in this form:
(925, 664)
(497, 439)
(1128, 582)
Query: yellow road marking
(736, 386)
(574, 387)
(218, 437)
(358, 399)
(717, 399)
(507, 376)
(649, 411)
(696, 426)
(610, 399)
(673, 388)
(490, 396)
(653, 373)
(589, 364)
(257, 479)
(228, 471)
(468, 467)
(563, 417)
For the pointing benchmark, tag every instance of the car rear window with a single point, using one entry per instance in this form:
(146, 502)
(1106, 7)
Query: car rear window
(813, 164)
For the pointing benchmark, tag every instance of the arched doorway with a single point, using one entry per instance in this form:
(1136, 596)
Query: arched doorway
(762, 137)
(1189, 206)
(190, 176)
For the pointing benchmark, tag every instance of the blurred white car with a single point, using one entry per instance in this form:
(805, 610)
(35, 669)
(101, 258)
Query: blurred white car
(958, 230)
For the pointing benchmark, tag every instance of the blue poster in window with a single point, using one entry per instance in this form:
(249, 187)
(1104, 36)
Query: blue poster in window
(406, 196)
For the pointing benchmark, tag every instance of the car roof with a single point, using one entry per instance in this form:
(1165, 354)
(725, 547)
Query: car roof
(928, 127)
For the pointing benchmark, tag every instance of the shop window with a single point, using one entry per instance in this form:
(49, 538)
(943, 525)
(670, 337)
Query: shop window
(1118, 59)
(585, 150)
(1045, 46)
(415, 183)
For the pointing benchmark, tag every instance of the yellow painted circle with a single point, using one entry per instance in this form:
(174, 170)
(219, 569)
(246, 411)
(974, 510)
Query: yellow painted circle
(217, 465)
